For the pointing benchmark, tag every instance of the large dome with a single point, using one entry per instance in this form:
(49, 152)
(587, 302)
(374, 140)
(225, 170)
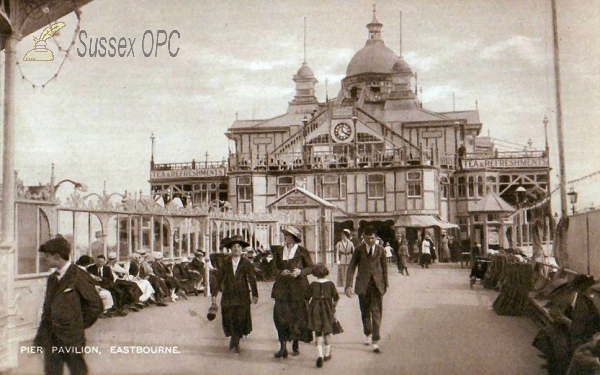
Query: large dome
(374, 57)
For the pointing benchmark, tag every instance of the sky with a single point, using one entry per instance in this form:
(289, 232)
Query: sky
(95, 120)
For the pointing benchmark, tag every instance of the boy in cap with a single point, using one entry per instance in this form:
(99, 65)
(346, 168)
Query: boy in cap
(71, 305)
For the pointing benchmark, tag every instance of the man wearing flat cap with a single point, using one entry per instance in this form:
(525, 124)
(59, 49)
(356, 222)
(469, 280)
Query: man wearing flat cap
(71, 305)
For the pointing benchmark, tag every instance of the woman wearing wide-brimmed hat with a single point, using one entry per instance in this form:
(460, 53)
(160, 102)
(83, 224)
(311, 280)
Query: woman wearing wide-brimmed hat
(236, 281)
(290, 313)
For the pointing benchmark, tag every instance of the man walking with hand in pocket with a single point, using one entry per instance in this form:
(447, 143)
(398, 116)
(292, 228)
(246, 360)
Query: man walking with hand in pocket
(371, 284)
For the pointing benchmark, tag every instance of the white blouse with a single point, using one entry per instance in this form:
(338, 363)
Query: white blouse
(426, 247)
(289, 253)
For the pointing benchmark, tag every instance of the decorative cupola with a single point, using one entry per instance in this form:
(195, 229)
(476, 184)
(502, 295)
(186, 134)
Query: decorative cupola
(305, 100)
(401, 75)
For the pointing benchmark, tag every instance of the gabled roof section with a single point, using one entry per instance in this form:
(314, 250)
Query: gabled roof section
(404, 111)
(471, 116)
(287, 119)
(492, 203)
(298, 191)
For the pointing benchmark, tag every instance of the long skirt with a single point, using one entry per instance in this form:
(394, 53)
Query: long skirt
(341, 277)
(425, 260)
(290, 318)
(237, 320)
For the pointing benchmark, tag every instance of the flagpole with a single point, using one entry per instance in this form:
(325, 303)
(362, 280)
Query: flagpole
(559, 122)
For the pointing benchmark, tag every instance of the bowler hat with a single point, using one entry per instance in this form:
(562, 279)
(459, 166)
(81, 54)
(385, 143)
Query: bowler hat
(235, 239)
(293, 231)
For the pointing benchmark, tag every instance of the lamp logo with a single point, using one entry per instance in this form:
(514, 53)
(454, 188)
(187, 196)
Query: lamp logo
(41, 52)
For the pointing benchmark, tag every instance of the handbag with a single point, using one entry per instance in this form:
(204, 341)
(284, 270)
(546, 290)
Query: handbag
(212, 311)
(337, 327)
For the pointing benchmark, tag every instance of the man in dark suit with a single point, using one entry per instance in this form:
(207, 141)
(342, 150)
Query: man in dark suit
(71, 305)
(236, 280)
(371, 284)
(106, 280)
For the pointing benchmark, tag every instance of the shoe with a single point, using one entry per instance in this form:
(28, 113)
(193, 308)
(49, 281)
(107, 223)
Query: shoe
(376, 349)
(327, 358)
(134, 308)
(104, 316)
(183, 294)
(320, 362)
(295, 349)
(122, 312)
(368, 340)
(236, 349)
(160, 303)
(282, 353)
(140, 305)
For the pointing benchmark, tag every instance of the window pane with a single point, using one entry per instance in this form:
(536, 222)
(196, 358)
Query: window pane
(44, 234)
(285, 180)
(27, 237)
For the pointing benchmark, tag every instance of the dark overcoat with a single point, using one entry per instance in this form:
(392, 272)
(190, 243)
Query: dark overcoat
(71, 305)
(291, 288)
(236, 288)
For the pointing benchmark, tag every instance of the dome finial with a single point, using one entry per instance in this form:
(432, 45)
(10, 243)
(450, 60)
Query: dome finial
(304, 40)
(374, 27)
(374, 17)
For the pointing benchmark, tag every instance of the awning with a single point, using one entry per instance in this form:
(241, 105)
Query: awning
(423, 221)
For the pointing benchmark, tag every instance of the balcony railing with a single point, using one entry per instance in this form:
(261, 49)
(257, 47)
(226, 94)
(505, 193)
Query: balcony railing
(326, 160)
(192, 165)
(507, 154)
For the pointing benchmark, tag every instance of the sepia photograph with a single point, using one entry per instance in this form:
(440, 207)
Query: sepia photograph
(336, 186)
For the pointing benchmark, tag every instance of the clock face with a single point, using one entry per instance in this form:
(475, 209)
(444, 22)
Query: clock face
(342, 131)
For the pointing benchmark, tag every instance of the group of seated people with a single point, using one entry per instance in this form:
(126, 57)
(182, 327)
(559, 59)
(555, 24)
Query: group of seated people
(144, 280)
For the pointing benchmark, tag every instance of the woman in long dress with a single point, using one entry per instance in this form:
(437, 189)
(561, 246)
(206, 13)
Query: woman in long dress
(290, 313)
(445, 249)
(425, 253)
(236, 281)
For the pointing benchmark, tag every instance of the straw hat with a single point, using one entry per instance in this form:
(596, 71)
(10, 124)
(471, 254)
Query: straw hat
(235, 239)
(294, 232)
(112, 255)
